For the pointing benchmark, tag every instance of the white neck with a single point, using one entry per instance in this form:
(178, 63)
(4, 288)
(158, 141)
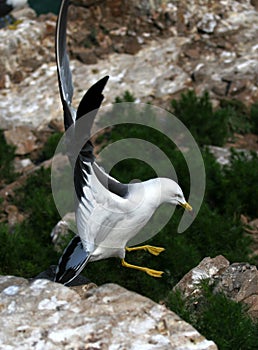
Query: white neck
(161, 190)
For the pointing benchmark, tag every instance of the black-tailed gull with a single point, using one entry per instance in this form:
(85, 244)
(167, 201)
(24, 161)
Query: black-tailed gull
(108, 213)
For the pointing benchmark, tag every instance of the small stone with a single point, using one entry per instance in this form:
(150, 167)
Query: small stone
(14, 216)
(131, 45)
(61, 230)
(207, 24)
(86, 57)
(238, 86)
(22, 138)
(22, 164)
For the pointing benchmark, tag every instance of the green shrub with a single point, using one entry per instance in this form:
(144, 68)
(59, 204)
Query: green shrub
(27, 249)
(217, 318)
(50, 146)
(231, 190)
(254, 117)
(24, 251)
(207, 127)
(238, 118)
(35, 198)
(210, 127)
(127, 97)
(240, 185)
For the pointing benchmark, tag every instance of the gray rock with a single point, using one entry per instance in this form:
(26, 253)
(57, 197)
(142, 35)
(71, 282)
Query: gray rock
(46, 315)
(61, 230)
(223, 154)
(189, 285)
(22, 138)
(223, 62)
(208, 23)
(238, 281)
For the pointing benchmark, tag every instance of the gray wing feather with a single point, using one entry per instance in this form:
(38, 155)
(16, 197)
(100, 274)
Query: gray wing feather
(63, 67)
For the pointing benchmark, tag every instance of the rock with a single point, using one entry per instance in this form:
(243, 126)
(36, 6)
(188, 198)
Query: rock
(85, 56)
(13, 215)
(208, 268)
(22, 138)
(238, 281)
(36, 102)
(182, 56)
(207, 24)
(46, 315)
(24, 49)
(21, 165)
(131, 45)
(255, 4)
(61, 230)
(223, 154)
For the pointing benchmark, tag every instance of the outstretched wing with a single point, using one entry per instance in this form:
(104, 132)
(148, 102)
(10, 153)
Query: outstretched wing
(63, 67)
(75, 255)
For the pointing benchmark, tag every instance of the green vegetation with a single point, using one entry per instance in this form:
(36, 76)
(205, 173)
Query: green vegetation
(254, 117)
(207, 127)
(91, 39)
(27, 249)
(218, 318)
(230, 191)
(213, 127)
(50, 146)
(45, 6)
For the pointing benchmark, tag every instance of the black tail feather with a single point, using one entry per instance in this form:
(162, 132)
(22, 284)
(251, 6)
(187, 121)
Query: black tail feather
(72, 262)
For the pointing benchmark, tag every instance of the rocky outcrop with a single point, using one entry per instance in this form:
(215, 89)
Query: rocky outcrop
(201, 45)
(238, 281)
(46, 315)
(223, 154)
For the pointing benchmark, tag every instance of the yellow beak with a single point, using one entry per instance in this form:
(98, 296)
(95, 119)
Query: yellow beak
(186, 206)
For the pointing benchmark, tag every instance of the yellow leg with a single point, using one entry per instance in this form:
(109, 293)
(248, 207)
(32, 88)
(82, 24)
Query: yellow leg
(15, 24)
(151, 249)
(153, 273)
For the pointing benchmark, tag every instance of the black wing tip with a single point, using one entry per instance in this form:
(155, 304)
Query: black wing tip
(92, 99)
(105, 78)
(99, 86)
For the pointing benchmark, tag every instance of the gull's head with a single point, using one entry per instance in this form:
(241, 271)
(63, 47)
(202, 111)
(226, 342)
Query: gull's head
(175, 195)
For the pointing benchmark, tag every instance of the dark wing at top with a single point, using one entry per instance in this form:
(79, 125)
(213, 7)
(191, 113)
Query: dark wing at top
(93, 97)
(63, 67)
(88, 107)
(75, 257)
